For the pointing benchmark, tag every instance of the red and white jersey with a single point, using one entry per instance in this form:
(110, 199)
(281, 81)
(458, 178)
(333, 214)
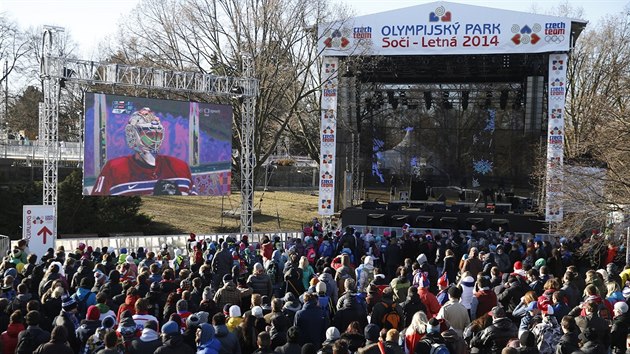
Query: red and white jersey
(127, 176)
(140, 320)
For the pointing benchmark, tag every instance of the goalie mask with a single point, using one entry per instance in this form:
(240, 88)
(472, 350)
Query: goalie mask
(144, 133)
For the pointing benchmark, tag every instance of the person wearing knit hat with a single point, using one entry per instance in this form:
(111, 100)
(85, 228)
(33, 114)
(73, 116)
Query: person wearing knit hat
(182, 310)
(149, 339)
(172, 339)
(206, 341)
(257, 311)
(234, 319)
(89, 325)
(332, 335)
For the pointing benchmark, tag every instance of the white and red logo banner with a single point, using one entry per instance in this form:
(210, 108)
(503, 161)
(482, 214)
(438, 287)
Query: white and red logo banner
(445, 28)
(555, 136)
(39, 228)
(328, 135)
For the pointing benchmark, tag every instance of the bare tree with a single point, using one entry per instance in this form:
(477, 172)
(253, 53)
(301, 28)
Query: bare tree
(13, 46)
(212, 36)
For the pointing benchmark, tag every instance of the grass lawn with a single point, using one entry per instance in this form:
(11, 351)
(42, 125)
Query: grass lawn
(203, 214)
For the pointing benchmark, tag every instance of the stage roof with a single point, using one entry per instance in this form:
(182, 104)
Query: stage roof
(445, 28)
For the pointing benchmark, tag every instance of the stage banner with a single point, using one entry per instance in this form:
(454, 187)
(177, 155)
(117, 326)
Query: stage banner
(444, 28)
(555, 136)
(328, 135)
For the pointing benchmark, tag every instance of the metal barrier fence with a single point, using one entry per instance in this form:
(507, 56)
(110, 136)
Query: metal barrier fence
(35, 150)
(5, 245)
(173, 241)
(379, 230)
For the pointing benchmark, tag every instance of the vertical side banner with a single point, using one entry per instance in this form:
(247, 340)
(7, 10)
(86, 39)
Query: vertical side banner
(328, 134)
(555, 136)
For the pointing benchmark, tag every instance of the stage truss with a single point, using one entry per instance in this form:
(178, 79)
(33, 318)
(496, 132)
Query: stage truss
(56, 70)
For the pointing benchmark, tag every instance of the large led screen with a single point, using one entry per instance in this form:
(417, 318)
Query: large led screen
(142, 146)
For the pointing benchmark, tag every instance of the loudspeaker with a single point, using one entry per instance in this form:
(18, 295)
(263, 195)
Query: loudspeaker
(418, 191)
(501, 209)
(394, 206)
(372, 206)
(398, 220)
(376, 220)
(424, 221)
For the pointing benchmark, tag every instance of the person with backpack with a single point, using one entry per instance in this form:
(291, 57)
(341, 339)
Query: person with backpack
(496, 336)
(416, 330)
(400, 284)
(325, 248)
(350, 311)
(387, 314)
(432, 342)
(547, 333)
(411, 306)
(260, 281)
(33, 336)
(365, 274)
(89, 325)
(84, 297)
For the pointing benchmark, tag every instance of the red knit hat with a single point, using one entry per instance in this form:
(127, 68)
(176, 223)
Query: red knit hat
(518, 265)
(93, 313)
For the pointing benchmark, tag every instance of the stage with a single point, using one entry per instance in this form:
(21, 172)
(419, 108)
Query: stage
(447, 218)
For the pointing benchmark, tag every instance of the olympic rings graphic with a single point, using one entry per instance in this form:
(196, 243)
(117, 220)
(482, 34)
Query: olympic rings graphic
(555, 39)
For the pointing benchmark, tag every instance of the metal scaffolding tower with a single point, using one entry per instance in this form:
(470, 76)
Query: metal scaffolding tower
(57, 69)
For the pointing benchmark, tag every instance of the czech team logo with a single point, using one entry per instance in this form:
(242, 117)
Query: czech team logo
(338, 38)
(440, 15)
(526, 34)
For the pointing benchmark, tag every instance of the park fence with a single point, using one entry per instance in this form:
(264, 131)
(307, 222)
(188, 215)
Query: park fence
(155, 242)
(5, 244)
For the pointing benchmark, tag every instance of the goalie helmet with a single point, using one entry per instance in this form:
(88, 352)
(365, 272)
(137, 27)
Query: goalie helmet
(144, 132)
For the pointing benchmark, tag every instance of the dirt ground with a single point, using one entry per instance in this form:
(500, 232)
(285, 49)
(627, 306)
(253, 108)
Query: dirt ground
(280, 210)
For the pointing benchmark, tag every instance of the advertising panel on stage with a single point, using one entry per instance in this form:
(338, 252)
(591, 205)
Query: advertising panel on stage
(142, 146)
(39, 228)
(444, 28)
(328, 136)
(555, 136)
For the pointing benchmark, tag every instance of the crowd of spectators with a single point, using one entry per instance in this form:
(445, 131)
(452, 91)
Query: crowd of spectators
(337, 292)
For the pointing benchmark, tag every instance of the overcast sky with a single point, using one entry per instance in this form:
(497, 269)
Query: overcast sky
(90, 21)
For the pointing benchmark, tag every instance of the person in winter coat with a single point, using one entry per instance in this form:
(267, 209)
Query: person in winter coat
(89, 325)
(371, 333)
(495, 337)
(260, 282)
(67, 319)
(344, 272)
(229, 341)
(365, 274)
(511, 293)
(547, 333)
(206, 343)
(312, 321)
(450, 266)
(328, 277)
(454, 312)
(149, 339)
(221, 264)
(354, 336)
(292, 345)
(111, 344)
(467, 284)
(430, 338)
(590, 342)
(400, 285)
(172, 340)
(528, 343)
(9, 338)
(383, 308)
(349, 312)
(415, 332)
(619, 331)
(569, 341)
(58, 343)
(332, 336)
(33, 336)
(411, 305)
(484, 300)
(393, 257)
(428, 299)
(96, 342)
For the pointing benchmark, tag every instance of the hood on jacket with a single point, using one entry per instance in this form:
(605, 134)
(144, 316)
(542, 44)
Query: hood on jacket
(368, 262)
(82, 292)
(502, 323)
(207, 333)
(14, 329)
(221, 331)
(102, 308)
(24, 297)
(149, 335)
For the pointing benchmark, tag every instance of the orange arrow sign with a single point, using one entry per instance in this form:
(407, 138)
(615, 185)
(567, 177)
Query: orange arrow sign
(44, 232)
